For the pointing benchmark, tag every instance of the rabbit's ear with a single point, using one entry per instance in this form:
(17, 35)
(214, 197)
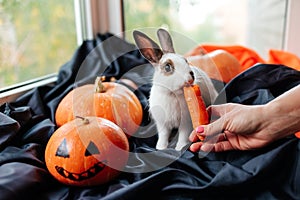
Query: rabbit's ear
(165, 41)
(148, 48)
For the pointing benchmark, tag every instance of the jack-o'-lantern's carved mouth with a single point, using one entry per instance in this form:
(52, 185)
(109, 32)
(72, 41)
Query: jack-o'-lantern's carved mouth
(91, 172)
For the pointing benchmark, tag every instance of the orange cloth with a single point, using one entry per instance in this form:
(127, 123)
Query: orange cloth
(248, 57)
(285, 58)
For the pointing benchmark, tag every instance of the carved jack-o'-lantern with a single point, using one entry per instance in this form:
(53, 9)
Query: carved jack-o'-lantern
(87, 151)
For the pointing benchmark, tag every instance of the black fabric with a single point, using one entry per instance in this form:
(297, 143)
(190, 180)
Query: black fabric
(27, 124)
(260, 84)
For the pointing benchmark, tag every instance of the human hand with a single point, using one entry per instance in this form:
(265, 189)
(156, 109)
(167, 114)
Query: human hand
(245, 127)
(236, 126)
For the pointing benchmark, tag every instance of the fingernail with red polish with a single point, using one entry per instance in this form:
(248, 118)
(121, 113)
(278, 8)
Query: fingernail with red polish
(199, 129)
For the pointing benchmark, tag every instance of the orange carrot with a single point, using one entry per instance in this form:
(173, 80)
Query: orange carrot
(196, 106)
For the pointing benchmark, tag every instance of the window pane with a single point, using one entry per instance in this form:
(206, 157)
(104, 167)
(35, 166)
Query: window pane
(253, 23)
(36, 38)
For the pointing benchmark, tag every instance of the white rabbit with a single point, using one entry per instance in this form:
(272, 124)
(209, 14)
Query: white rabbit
(172, 72)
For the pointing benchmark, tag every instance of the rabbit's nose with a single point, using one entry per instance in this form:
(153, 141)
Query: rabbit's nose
(191, 78)
(192, 75)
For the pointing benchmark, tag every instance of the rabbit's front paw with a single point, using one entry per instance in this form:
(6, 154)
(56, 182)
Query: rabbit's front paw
(161, 145)
(181, 145)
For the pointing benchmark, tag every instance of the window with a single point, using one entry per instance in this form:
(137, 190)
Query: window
(36, 38)
(257, 24)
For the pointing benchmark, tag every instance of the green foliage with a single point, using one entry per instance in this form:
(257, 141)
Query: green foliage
(37, 38)
(151, 13)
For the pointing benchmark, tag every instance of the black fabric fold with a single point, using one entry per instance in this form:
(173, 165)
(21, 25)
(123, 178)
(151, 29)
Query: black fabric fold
(260, 84)
(27, 124)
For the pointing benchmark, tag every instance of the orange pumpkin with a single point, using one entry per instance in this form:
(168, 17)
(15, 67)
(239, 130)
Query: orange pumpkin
(86, 152)
(108, 100)
(196, 106)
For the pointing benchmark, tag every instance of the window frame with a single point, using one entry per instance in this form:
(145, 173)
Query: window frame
(100, 16)
(291, 38)
(10, 93)
(95, 16)
(91, 17)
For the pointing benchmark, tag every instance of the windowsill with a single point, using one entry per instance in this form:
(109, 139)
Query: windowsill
(10, 93)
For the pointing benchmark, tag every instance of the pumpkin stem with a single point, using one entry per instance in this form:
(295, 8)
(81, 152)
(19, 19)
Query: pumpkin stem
(203, 52)
(99, 87)
(113, 79)
(85, 120)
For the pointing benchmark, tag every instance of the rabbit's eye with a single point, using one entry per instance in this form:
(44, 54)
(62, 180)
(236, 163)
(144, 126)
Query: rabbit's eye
(168, 68)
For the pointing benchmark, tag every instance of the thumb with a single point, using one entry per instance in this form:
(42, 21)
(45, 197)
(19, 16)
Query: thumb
(212, 129)
(217, 113)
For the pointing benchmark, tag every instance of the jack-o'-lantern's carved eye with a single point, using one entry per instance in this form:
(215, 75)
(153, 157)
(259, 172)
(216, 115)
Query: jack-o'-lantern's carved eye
(62, 150)
(92, 149)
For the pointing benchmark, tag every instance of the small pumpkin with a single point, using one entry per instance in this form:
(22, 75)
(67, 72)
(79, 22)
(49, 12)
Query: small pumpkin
(87, 151)
(196, 106)
(108, 100)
